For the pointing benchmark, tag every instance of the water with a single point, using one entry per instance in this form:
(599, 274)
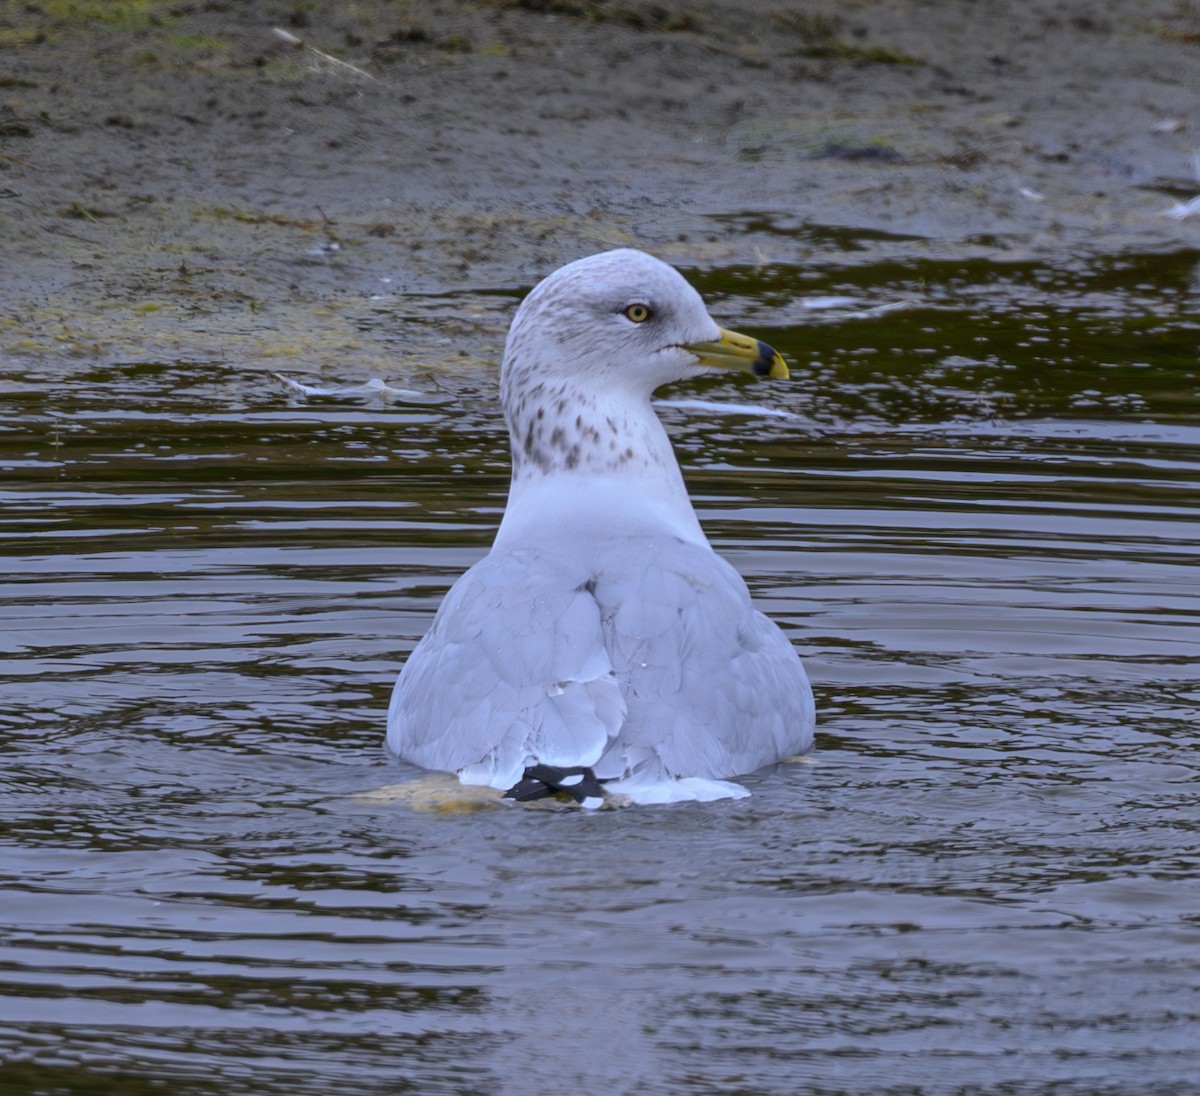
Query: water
(982, 536)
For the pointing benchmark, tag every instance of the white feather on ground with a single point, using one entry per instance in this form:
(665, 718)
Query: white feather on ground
(601, 630)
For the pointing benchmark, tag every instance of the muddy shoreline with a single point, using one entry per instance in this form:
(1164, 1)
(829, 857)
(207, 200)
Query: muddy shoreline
(182, 182)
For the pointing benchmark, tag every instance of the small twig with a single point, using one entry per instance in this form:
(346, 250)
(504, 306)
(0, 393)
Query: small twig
(291, 39)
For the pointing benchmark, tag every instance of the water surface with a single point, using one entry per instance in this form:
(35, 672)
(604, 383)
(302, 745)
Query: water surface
(979, 529)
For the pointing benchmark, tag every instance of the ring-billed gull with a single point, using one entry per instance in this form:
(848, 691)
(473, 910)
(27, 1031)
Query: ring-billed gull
(602, 645)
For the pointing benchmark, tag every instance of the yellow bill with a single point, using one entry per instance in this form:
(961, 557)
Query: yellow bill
(734, 351)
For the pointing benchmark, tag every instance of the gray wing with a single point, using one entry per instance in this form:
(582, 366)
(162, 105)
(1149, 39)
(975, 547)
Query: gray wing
(712, 687)
(647, 659)
(514, 669)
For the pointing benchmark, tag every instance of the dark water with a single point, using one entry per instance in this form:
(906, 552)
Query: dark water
(983, 536)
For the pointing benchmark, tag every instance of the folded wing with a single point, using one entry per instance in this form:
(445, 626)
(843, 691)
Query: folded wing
(514, 671)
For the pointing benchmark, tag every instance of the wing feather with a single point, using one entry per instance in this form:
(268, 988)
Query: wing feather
(513, 670)
(713, 687)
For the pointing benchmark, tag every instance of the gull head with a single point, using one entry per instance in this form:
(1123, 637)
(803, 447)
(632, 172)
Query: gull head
(623, 322)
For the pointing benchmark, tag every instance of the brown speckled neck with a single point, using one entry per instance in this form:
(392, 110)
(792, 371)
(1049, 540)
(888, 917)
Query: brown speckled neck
(556, 426)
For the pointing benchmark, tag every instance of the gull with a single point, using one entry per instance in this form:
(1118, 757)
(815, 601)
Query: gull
(602, 648)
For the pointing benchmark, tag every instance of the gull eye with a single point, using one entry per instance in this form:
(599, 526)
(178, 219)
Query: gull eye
(638, 313)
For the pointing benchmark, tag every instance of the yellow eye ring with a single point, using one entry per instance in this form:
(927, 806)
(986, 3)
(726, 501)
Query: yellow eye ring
(638, 313)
